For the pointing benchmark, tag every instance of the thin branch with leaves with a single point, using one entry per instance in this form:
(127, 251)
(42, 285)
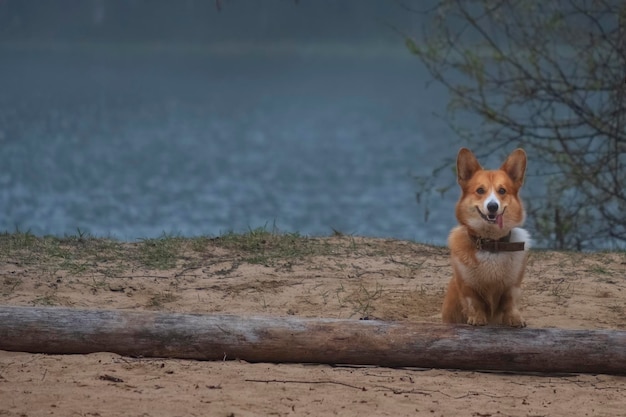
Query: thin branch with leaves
(548, 77)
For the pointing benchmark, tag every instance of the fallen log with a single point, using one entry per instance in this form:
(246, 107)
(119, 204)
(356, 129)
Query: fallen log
(327, 341)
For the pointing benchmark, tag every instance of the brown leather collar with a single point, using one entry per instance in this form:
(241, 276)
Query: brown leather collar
(501, 245)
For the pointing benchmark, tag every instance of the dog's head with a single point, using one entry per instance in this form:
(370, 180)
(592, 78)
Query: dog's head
(490, 205)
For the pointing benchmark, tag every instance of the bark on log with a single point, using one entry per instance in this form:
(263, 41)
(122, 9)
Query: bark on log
(328, 341)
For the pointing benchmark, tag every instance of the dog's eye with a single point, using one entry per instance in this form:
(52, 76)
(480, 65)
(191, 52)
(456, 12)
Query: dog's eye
(501, 191)
(480, 190)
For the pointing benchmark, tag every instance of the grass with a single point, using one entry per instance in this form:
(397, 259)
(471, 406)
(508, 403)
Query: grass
(101, 259)
(9, 284)
(261, 246)
(561, 289)
(599, 270)
(46, 300)
(26, 249)
(160, 253)
(83, 254)
(158, 300)
(330, 275)
(360, 300)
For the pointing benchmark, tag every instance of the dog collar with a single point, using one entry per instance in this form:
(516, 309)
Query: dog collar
(497, 245)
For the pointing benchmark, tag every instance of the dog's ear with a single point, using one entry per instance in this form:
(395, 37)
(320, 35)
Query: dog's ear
(515, 166)
(466, 165)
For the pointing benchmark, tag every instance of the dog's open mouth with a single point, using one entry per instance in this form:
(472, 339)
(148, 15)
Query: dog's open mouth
(493, 218)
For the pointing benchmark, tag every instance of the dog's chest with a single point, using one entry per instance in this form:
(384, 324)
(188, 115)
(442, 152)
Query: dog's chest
(493, 269)
(501, 268)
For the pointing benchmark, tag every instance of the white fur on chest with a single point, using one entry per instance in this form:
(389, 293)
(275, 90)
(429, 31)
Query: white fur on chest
(496, 268)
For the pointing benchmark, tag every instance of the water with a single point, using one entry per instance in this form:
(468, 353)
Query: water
(134, 145)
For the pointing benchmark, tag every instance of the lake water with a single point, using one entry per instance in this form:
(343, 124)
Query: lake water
(133, 143)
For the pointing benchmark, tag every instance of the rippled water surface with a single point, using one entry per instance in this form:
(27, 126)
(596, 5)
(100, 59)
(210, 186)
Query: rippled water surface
(133, 145)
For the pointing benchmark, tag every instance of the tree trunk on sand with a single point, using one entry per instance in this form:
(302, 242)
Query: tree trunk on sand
(327, 341)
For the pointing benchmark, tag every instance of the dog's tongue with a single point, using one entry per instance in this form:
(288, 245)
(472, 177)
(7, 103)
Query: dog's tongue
(500, 220)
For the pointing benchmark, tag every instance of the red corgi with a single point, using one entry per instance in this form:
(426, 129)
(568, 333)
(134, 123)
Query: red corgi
(488, 248)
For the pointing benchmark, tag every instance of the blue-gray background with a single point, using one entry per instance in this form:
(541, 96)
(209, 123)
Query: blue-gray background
(131, 119)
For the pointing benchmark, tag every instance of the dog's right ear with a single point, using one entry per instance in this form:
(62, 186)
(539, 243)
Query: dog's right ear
(466, 165)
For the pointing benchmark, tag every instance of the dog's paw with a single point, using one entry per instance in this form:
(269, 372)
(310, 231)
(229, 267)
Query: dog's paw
(513, 320)
(477, 320)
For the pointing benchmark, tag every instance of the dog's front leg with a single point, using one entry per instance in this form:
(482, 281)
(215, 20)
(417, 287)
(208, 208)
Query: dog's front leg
(508, 305)
(474, 308)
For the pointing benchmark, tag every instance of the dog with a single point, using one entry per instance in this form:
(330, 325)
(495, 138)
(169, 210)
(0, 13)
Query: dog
(488, 248)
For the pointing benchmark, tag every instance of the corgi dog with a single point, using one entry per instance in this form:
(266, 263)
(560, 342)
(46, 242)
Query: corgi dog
(488, 248)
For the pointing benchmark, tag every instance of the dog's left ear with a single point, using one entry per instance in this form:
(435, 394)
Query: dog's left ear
(515, 166)
(466, 166)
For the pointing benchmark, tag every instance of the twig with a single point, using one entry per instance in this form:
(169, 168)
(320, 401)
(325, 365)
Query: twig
(110, 378)
(431, 392)
(289, 381)
(182, 273)
(140, 276)
(409, 391)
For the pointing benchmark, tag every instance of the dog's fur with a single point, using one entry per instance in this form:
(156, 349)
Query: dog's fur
(485, 286)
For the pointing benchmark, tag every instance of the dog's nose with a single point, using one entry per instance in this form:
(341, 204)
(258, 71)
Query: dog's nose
(492, 207)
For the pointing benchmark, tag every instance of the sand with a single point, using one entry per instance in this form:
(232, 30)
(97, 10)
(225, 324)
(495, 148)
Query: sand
(337, 277)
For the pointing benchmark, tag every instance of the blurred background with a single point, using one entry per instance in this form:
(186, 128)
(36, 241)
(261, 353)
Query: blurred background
(135, 118)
